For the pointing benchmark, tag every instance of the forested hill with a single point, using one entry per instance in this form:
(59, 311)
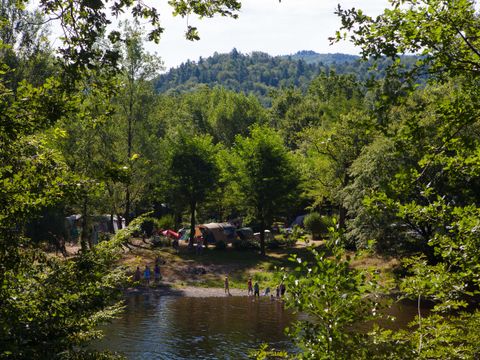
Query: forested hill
(259, 73)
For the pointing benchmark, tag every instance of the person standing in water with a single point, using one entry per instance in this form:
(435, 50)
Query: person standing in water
(256, 289)
(156, 272)
(250, 287)
(146, 275)
(227, 287)
(138, 274)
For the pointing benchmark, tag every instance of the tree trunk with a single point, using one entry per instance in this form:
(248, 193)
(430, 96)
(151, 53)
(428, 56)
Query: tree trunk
(193, 205)
(262, 237)
(111, 223)
(84, 237)
(119, 222)
(127, 205)
(129, 153)
(178, 219)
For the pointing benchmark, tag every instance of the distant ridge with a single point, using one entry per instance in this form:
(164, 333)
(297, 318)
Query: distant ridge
(310, 57)
(259, 73)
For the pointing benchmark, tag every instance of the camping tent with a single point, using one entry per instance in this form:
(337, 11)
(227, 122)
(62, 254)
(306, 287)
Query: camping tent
(298, 221)
(214, 232)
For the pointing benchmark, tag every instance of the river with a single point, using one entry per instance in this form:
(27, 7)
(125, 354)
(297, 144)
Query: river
(158, 326)
(155, 326)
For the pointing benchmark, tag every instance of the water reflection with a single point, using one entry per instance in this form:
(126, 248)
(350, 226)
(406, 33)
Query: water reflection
(166, 327)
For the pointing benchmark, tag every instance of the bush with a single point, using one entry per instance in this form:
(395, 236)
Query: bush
(220, 245)
(315, 224)
(287, 240)
(148, 225)
(166, 222)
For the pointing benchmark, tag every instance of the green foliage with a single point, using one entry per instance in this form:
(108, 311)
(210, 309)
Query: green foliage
(85, 25)
(166, 222)
(335, 299)
(429, 199)
(314, 223)
(148, 226)
(193, 167)
(259, 73)
(221, 113)
(193, 173)
(262, 173)
(265, 353)
(448, 45)
(50, 305)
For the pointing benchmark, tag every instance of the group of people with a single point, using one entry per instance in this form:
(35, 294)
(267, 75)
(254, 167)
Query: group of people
(147, 274)
(254, 289)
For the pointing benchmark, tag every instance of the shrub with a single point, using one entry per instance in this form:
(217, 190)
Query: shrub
(315, 224)
(148, 225)
(286, 240)
(297, 232)
(166, 222)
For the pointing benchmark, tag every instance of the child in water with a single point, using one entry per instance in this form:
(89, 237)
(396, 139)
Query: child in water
(256, 290)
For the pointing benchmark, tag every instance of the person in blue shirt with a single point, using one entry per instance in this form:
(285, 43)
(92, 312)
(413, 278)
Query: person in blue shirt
(146, 275)
(256, 289)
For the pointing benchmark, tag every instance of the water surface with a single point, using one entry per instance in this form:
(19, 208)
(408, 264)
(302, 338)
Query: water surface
(155, 326)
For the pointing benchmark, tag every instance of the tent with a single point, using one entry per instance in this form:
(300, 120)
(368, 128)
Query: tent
(214, 232)
(298, 221)
(245, 233)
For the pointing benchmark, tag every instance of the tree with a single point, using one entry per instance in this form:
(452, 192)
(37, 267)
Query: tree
(336, 299)
(434, 192)
(137, 69)
(262, 174)
(444, 32)
(51, 307)
(84, 23)
(193, 173)
(330, 150)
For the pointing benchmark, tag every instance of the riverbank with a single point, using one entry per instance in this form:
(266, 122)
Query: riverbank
(188, 270)
(166, 289)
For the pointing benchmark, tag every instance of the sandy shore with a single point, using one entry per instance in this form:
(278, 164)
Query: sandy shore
(188, 291)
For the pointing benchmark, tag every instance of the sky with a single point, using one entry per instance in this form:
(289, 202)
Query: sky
(263, 25)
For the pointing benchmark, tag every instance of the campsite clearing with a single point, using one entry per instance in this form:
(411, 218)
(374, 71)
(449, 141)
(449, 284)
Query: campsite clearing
(208, 269)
